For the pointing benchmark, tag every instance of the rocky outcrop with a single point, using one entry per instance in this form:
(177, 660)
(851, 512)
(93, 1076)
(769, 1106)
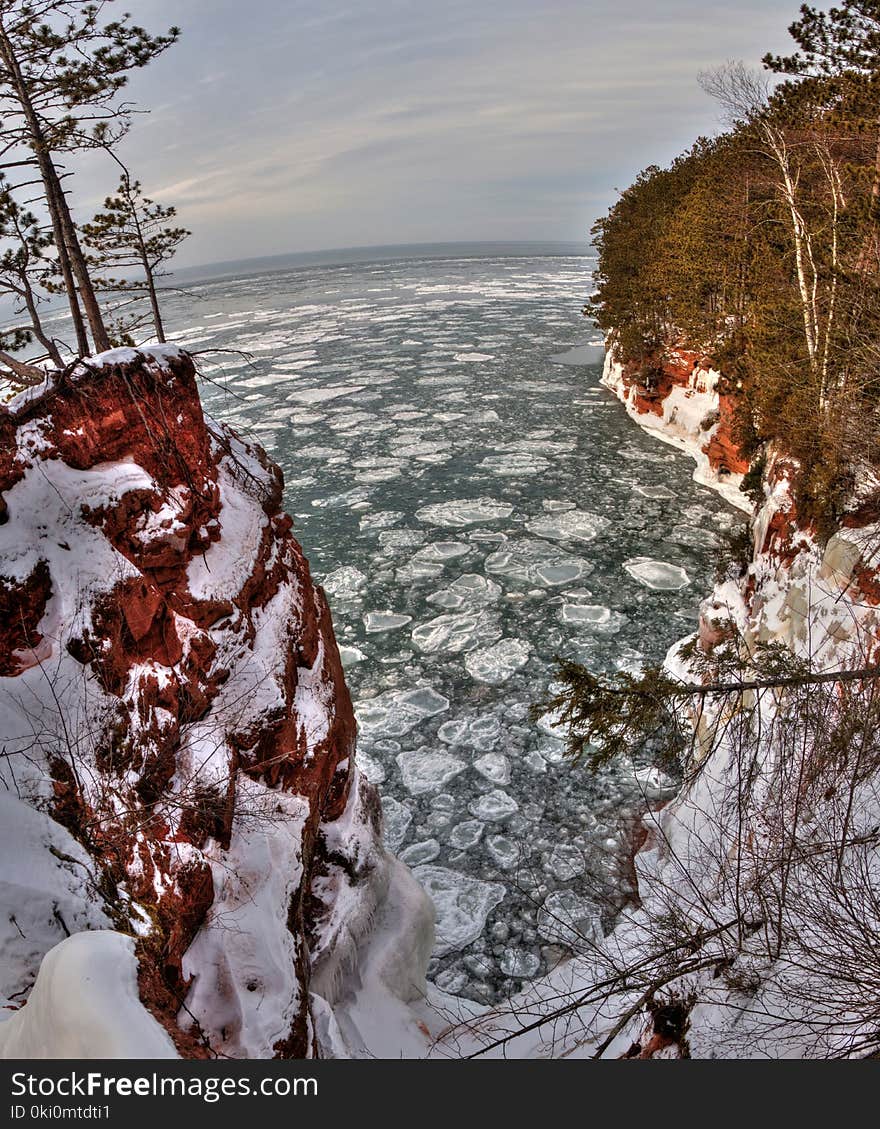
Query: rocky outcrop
(681, 399)
(171, 695)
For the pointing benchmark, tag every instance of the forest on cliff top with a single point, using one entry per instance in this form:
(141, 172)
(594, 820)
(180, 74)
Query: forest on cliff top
(761, 247)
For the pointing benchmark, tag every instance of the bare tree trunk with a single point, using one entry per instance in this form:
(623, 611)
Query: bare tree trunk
(26, 374)
(154, 304)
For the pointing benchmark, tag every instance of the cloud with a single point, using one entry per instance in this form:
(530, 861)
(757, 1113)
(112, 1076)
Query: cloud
(280, 125)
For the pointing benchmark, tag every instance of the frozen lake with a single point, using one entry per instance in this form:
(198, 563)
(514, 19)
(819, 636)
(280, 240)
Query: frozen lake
(475, 505)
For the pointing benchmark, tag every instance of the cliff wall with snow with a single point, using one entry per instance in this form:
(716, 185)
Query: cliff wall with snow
(179, 790)
(754, 933)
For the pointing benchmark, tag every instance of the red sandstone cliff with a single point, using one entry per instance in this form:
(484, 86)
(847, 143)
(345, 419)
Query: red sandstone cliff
(171, 694)
(682, 400)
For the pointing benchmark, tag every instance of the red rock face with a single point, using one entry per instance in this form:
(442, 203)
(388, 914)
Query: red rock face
(723, 449)
(655, 379)
(159, 656)
(652, 381)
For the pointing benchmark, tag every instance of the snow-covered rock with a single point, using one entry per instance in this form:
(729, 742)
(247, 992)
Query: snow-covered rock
(178, 738)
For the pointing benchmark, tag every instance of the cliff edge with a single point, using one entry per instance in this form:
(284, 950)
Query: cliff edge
(178, 740)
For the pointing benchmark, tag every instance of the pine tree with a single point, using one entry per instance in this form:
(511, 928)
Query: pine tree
(25, 269)
(133, 232)
(61, 71)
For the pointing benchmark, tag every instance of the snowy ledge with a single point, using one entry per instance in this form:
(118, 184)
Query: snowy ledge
(160, 356)
(684, 411)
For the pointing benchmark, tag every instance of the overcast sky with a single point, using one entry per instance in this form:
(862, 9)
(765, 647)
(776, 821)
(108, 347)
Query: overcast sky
(296, 125)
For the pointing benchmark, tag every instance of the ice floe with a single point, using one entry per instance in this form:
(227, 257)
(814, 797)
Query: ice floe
(453, 634)
(395, 712)
(658, 575)
(462, 903)
(346, 582)
(461, 512)
(376, 622)
(495, 767)
(426, 769)
(499, 662)
(565, 918)
(569, 525)
(493, 807)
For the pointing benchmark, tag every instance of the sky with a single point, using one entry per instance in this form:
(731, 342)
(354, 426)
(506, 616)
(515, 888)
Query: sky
(296, 125)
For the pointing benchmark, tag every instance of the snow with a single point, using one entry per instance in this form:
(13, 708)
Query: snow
(85, 1005)
(246, 991)
(40, 895)
(681, 426)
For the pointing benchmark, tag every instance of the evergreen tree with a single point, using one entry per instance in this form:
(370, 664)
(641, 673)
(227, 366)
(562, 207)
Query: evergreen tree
(133, 232)
(61, 71)
(24, 270)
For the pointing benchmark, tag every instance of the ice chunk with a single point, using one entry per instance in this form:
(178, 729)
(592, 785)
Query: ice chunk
(592, 617)
(382, 519)
(657, 574)
(465, 835)
(536, 562)
(504, 852)
(415, 571)
(514, 464)
(439, 552)
(453, 732)
(418, 853)
(351, 656)
(565, 918)
(426, 769)
(393, 539)
(451, 601)
(470, 588)
(553, 574)
(520, 963)
(570, 525)
(397, 818)
(496, 664)
(396, 712)
(453, 634)
(345, 582)
(376, 622)
(495, 767)
(465, 511)
(493, 807)
(566, 862)
(692, 537)
(462, 905)
(371, 768)
(585, 613)
(655, 493)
